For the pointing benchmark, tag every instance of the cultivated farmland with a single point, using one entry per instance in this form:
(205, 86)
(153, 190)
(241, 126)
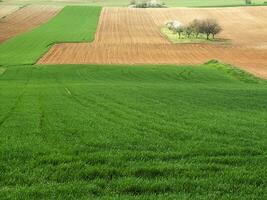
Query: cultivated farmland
(25, 19)
(73, 24)
(7, 9)
(132, 36)
(154, 131)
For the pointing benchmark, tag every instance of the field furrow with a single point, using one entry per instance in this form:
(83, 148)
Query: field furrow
(7, 9)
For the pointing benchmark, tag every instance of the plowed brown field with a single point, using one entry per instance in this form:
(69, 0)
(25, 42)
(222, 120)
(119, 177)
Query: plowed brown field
(132, 36)
(25, 19)
(6, 10)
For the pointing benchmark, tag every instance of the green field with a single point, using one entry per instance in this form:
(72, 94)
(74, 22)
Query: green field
(170, 3)
(153, 132)
(72, 24)
(126, 132)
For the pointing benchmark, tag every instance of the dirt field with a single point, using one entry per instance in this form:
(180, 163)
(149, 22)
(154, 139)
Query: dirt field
(25, 19)
(6, 10)
(132, 36)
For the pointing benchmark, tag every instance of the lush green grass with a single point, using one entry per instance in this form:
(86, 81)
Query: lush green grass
(170, 3)
(174, 38)
(126, 132)
(72, 24)
(140, 132)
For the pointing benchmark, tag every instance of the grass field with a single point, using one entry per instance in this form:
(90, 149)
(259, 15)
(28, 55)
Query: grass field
(143, 132)
(68, 26)
(126, 132)
(170, 3)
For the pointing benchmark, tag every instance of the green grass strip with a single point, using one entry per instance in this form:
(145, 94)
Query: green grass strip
(72, 24)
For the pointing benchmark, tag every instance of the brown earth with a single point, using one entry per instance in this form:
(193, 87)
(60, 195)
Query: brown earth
(25, 19)
(6, 10)
(132, 36)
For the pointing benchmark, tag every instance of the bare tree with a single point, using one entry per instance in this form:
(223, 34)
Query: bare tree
(196, 26)
(179, 30)
(210, 27)
(215, 30)
(188, 30)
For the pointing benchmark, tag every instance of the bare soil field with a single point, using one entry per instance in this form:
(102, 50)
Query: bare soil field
(25, 19)
(7, 9)
(132, 36)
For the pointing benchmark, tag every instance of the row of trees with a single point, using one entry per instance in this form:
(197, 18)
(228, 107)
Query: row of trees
(207, 27)
(146, 4)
